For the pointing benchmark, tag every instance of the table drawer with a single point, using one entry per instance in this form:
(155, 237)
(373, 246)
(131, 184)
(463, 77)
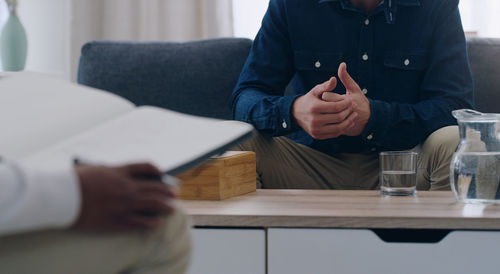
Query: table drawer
(362, 251)
(228, 251)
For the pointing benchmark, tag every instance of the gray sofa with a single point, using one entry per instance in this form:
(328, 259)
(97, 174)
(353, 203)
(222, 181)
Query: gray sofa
(195, 77)
(198, 77)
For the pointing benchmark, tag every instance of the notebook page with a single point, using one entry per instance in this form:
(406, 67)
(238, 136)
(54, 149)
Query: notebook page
(171, 140)
(37, 111)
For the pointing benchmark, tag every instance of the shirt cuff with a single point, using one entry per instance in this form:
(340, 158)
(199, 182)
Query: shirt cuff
(285, 123)
(48, 198)
(378, 123)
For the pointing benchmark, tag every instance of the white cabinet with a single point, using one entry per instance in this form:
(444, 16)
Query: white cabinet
(228, 251)
(362, 251)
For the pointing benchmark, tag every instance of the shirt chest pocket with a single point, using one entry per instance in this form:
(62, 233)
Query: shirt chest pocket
(316, 67)
(410, 60)
(402, 75)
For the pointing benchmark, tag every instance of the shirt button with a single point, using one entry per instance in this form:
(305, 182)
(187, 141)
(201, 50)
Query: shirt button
(284, 124)
(317, 64)
(367, 22)
(365, 91)
(407, 62)
(369, 137)
(365, 57)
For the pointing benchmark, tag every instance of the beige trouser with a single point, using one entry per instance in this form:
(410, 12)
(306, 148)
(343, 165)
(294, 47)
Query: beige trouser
(282, 163)
(165, 250)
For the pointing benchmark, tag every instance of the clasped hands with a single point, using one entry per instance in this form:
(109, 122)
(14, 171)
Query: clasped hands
(324, 114)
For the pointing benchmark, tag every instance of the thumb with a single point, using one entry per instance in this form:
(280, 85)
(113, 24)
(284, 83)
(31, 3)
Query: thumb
(346, 79)
(329, 85)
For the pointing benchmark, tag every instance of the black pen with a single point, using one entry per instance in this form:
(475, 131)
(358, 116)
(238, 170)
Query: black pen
(165, 178)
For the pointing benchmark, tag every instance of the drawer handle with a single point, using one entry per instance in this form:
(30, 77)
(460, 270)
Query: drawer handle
(428, 236)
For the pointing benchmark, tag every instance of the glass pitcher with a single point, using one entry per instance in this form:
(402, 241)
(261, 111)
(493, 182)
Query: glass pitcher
(475, 167)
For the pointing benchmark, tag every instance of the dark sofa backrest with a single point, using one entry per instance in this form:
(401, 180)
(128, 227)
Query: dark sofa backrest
(484, 55)
(196, 77)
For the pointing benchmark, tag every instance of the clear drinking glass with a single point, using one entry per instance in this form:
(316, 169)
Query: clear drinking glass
(398, 173)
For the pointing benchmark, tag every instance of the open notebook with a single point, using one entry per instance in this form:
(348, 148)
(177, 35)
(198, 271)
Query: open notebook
(47, 121)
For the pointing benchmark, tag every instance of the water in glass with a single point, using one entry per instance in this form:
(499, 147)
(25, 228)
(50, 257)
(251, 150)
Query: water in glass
(398, 183)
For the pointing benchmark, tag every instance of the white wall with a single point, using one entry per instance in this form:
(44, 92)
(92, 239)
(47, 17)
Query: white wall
(247, 17)
(481, 17)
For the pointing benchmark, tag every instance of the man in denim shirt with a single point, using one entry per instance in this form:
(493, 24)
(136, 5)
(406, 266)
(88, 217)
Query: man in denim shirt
(368, 76)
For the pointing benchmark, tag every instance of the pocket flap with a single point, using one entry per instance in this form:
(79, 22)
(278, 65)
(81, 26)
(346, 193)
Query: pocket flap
(319, 61)
(415, 60)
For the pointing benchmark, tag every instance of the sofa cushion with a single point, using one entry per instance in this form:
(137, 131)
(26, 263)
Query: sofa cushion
(195, 77)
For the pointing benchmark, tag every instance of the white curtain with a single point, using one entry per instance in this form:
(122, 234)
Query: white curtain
(168, 20)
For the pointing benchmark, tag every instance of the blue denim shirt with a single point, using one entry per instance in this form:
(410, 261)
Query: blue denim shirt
(408, 56)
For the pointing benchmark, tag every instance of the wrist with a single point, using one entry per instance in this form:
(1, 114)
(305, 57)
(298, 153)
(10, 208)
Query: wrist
(295, 110)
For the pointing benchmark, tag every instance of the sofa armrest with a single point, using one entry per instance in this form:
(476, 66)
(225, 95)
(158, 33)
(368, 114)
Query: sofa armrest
(484, 55)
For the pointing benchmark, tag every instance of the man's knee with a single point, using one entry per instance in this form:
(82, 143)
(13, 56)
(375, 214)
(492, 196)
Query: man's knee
(443, 141)
(436, 154)
(265, 148)
(257, 143)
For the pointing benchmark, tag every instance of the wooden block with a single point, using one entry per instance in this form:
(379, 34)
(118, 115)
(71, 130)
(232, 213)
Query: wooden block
(226, 176)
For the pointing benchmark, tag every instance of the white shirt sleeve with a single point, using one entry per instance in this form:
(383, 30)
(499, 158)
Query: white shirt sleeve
(32, 199)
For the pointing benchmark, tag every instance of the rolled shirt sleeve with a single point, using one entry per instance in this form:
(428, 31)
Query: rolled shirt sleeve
(258, 97)
(32, 199)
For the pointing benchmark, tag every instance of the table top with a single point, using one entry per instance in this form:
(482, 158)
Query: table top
(343, 209)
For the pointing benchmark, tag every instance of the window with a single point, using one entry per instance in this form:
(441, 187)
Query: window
(479, 17)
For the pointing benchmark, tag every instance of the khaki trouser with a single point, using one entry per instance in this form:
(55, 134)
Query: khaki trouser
(165, 250)
(282, 163)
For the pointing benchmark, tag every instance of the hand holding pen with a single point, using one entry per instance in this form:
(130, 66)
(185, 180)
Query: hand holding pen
(124, 197)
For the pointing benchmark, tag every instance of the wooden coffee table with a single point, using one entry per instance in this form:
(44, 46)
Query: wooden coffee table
(323, 231)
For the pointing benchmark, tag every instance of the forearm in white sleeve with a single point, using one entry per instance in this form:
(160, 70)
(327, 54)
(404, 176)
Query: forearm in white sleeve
(33, 199)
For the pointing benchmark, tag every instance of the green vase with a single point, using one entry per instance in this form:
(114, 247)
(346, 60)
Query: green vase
(13, 43)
